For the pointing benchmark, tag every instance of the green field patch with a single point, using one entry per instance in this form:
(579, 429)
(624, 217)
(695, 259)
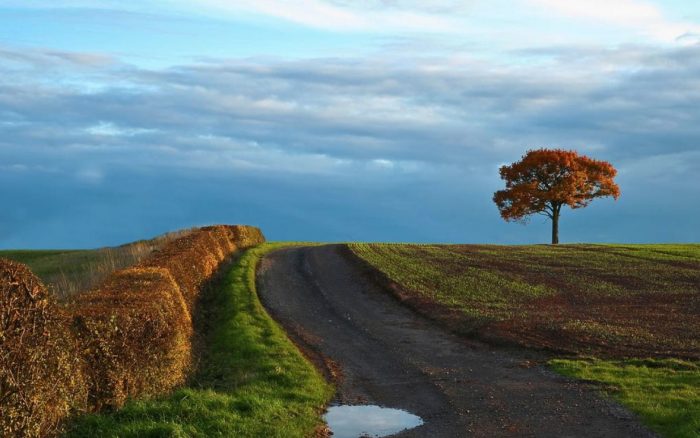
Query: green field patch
(665, 393)
(450, 278)
(48, 264)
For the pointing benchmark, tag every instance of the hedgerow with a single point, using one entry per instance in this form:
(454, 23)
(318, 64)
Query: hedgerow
(130, 337)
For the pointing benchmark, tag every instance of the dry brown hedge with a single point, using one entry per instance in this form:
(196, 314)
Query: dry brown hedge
(134, 333)
(130, 337)
(40, 372)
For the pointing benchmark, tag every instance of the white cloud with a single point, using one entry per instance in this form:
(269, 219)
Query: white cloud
(640, 16)
(689, 38)
(109, 129)
(339, 16)
(90, 175)
(383, 164)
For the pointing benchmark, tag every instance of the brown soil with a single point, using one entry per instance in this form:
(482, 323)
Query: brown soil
(649, 323)
(391, 356)
(643, 325)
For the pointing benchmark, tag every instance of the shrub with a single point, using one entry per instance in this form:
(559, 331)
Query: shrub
(40, 372)
(134, 333)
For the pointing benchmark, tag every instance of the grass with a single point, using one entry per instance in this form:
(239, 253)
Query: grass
(608, 303)
(591, 299)
(449, 278)
(48, 264)
(665, 393)
(252, 381)
(67, 272)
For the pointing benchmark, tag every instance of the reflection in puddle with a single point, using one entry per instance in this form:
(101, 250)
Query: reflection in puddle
(372, 421)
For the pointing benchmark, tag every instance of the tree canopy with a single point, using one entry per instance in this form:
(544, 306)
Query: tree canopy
(545, 180)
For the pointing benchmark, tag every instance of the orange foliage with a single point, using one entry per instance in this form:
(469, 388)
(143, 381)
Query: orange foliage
(544, 180)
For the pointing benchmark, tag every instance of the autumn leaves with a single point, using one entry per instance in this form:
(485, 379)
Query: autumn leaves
(545, 180)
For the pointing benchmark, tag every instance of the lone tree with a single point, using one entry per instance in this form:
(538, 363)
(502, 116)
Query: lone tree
(544, 180)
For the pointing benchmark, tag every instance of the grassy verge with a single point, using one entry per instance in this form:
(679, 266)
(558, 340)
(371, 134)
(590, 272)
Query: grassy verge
(665, 393)
(613, 302)
(252, 381)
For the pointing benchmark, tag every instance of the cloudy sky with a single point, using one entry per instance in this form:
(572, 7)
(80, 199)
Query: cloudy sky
(336, 120)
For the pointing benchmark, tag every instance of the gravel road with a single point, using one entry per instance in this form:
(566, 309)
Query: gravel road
(383, 353)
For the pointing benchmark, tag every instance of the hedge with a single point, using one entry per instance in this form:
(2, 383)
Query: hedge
(130, 337)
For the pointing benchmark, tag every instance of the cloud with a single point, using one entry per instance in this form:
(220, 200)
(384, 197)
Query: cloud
(689, 38)
(331, 112)
(43, 58)
(642, 16)
(343, 146)
(90, 175)
(497, 23)
(344, 16)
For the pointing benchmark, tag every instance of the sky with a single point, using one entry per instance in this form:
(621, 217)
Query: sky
(341, 120)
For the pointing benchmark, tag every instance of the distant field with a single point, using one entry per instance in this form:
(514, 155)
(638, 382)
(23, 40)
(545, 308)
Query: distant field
(627, 316)
(67, 272)
(56, 267)
(604, 300)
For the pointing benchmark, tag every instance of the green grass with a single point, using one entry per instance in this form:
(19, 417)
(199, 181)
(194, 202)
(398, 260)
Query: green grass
(252, 382)
(665, 393)
(52, 263)
(491, 273)
(450, 278)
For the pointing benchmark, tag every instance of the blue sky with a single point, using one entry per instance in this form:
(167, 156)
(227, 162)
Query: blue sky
(336, 120)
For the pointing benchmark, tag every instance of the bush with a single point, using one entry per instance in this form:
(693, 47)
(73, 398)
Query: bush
(40, 370)
(134, 333)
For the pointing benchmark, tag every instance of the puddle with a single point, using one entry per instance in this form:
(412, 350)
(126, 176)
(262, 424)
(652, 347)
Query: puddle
(368, 421)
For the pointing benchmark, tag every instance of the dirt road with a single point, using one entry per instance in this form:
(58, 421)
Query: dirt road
(392, 357)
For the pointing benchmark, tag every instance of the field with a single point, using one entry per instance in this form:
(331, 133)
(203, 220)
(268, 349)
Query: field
(604, 300)
(252, 380)
(67, 272)
(609, 304)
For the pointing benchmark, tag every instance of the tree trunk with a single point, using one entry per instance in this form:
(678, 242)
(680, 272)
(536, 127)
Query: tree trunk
(555, 226)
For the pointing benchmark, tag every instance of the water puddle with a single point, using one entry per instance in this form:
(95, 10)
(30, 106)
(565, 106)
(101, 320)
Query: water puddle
(368, 421)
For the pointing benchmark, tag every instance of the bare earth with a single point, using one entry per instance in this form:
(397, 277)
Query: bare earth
(380, 352)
